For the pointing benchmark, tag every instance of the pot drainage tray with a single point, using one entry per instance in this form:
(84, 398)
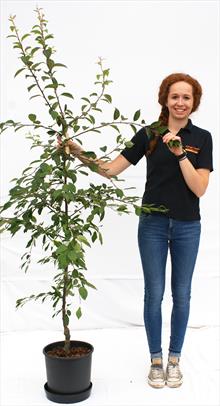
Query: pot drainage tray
(67, 397)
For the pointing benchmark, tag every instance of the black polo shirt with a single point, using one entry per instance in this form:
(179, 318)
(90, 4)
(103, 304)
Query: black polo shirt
(165, 184)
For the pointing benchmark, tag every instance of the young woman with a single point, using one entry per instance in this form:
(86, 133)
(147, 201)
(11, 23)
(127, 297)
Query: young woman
(176, 178)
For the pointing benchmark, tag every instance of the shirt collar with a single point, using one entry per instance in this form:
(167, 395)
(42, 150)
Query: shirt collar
(188, 126)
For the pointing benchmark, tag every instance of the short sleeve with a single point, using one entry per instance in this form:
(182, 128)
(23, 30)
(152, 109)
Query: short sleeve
(139, 148)
(204, 159)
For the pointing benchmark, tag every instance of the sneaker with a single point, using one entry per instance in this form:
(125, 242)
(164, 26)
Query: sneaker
(156, 377)
(174, 377)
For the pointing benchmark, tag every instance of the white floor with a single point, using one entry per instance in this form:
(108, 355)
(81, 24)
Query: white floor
(119, 368)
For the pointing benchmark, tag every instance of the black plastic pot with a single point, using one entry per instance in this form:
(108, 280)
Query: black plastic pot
(68, 379)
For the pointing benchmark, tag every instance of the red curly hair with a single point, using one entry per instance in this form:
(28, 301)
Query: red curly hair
(164, 90)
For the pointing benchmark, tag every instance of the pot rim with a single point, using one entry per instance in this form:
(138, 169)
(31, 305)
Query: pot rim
(57, 343)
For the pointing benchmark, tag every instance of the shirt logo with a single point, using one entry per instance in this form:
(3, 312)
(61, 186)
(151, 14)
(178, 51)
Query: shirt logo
(190, 148)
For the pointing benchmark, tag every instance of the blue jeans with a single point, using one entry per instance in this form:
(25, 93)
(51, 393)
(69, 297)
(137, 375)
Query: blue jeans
(157, 234)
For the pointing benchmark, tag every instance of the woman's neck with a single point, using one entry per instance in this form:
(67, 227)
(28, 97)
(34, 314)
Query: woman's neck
(175, 125)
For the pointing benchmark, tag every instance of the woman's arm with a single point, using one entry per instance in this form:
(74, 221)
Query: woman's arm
(112, 168)
(196, 179)
(106, 169)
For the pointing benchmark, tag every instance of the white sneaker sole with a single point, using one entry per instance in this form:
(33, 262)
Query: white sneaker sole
(174, 384)
(156, 385)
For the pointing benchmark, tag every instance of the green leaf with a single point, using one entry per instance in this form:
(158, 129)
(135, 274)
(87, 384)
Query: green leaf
(19, 127)
(115, 128)
(122, 208)
(36, 32)
(116, 114)
(55, 105)
(75, 274)
(94, 236)
(54, 114)
(69, 188)
(32, 117)
(57, 194)
(107, 82)
(138, 210)
(49, 36)
(119, 193)
(36, 65)
(45, 78)
(91, 119)
(67, 95)
(106, 72)
(84, 173)
(6, 206)
(51, 86)
(60, 64)
(108, 97)
(96, 109)
(85, 98)
(19, 71)
(83, 239)
(17, 45)
(174, 143)
(36, 95)
(31, 87)
(100, 238)
(47, 169)
(89, 284)
(71, 174)
(137, 115)
(25, 36)
(103, 149)
(155, 124)
(34, 50)
(25, 59)
(161, 130)
(133, 128)
(129, 144)
(47, 52)
(79, 313)
(83, 292)
(72, 256)
(76, 128)
(63, 261)
(89, 154)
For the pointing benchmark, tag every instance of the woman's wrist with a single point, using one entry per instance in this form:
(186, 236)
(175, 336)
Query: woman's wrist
(182, 156)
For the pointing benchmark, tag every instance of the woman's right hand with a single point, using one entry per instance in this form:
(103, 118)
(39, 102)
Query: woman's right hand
(70, 146)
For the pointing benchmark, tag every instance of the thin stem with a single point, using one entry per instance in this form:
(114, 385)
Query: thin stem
(27, 65)
(104, 125)
(40, 18)
(85, 112)
(65, 283)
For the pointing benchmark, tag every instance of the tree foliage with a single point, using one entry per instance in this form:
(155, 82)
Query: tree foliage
(47, 200)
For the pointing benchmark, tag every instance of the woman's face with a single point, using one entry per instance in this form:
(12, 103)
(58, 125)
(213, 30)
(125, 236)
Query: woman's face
(180, 100)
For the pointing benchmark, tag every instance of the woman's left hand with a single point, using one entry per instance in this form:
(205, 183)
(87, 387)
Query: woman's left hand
(175, 149)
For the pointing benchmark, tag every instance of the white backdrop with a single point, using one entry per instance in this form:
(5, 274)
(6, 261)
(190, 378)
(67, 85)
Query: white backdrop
(142, 42)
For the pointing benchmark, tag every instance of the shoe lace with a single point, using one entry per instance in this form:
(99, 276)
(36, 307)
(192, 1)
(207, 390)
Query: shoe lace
(173, 370)
(157, 371)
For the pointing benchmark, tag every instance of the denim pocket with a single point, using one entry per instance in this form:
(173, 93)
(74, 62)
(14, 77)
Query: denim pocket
(145, 216)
